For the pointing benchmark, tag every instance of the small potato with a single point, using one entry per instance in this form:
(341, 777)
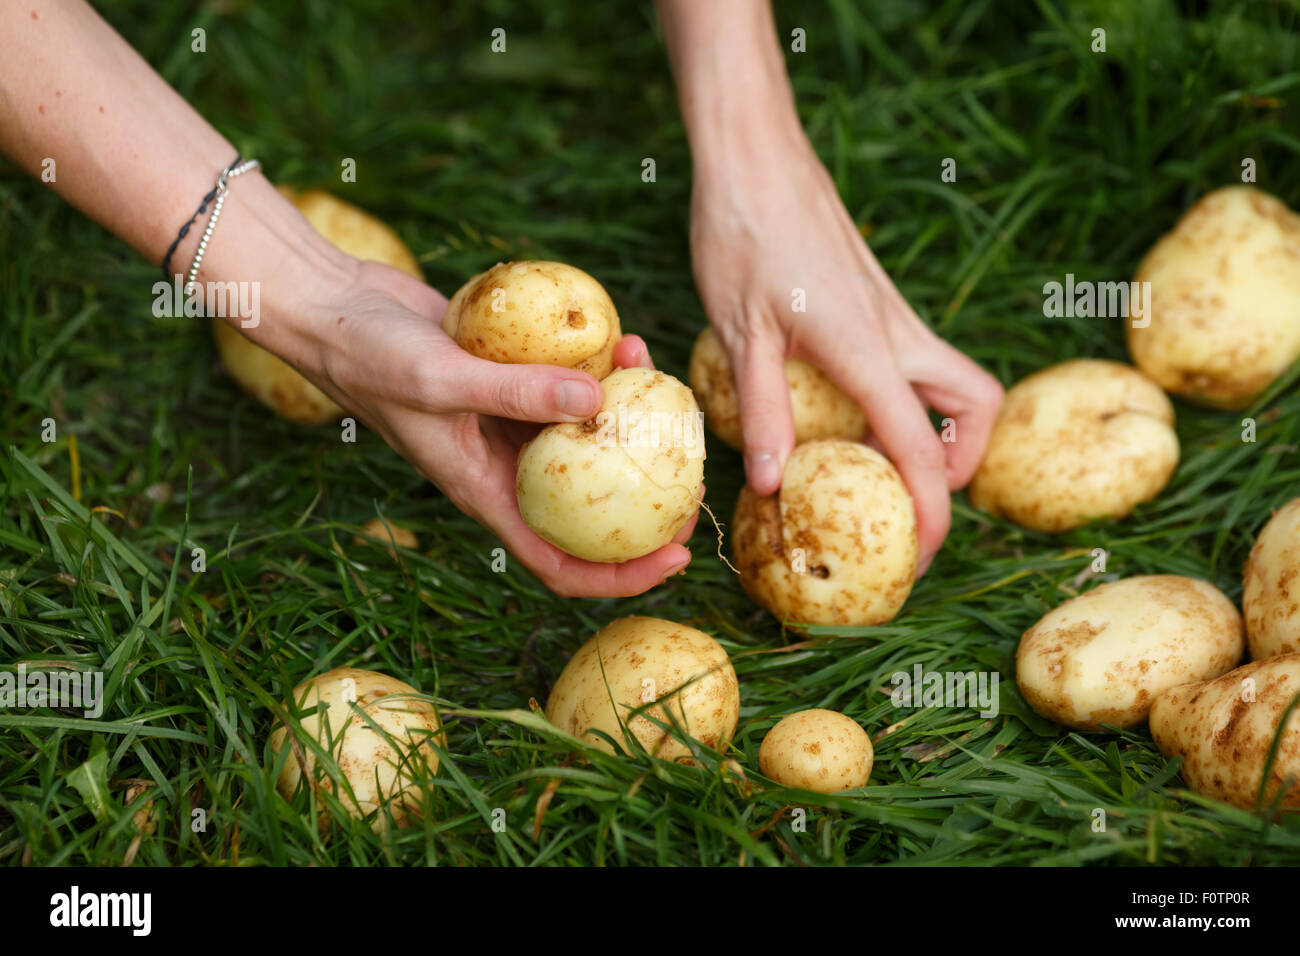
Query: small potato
(622, 484)
(819, 407)
(640, 660)
(539, 313)
(387, 534)
(266, 377)
(378, 772)
(1271, 601)
(1223, 731)
(1081, 440)
(819, 750)
(1102, 657)
(836, 544)
(1223, 322)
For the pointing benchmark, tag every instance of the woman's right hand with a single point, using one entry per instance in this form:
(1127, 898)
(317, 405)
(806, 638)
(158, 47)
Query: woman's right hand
(376, 346)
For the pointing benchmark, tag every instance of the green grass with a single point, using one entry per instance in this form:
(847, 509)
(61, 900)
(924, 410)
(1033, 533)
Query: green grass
(1068, 161)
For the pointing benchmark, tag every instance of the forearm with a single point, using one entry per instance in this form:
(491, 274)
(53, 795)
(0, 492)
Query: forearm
(133, 155)
(732, 86)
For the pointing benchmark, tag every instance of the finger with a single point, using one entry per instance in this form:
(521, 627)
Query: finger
(766, 422)
(969, 398)
(526, 393)
(902, 430)
(632, 352)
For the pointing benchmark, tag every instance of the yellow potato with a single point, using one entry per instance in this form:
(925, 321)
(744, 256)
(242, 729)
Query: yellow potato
(387, 535)
(641, 660)
(1271, 601)
(836, 544)
(1102, 657)
(622, 484)
(1223, 731)
(378, 772)
(539, 313)
(819, 750)
(1081, 440)
(820, 409)
(1224, 287)
(266, 377)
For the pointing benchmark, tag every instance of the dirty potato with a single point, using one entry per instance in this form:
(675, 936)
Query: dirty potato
(266, 377)
(1224, 729)
(1271, 601)
(1102, 657)
(636, 661)
(622, 484)
(837, 544)
(820, 409)
(380, 770)
(819, 750)
(1223, 322)
(1081, 440)
(540, 313)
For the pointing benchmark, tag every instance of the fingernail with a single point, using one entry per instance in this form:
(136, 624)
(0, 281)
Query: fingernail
(677, 568)
(576, 399)
(761, 468)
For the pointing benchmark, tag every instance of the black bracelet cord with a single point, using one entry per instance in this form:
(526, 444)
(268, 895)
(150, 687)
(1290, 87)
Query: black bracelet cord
(167, 259)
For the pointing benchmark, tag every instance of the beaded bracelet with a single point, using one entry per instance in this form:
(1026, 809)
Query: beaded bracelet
(218, 193)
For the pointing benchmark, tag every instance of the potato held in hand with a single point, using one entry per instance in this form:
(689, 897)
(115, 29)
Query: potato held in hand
(1271, 601)
(378, 772)
(819, 750)
(1223, 731)
(836, 545)
(641, 660)
(269, 379)
(539, 313)
(1102, 657)
(1223, 322)
(1081, 440)
(622, 484)
(820, 409)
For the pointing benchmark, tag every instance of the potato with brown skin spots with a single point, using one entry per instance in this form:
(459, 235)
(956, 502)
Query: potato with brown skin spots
(819, 408)
(270, 379)
(538, 313)
(1081, 440)
(1223, 322)
(1271, 601)
(1223, 730)
(635, 661)
(622, 484)
(1102, 657)
(819, 750)
(379, 772)
(836, 545)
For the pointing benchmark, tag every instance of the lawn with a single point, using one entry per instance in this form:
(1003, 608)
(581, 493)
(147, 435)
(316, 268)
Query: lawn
(1068, 161)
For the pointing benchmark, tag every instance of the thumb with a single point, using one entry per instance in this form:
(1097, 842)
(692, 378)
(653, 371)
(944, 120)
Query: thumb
(525, 393)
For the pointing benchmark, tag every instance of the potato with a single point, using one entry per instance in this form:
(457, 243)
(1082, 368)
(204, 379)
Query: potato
(836, 544)
(1223, 322)
(819, 750)
(1271, 600)
(1223, 730)
(378, 772)
(1102, 657)
(540, 313)
(622, 484)
(639, 660)
(1076, 441)
(386, 534)
(266, 377)
(819, 408)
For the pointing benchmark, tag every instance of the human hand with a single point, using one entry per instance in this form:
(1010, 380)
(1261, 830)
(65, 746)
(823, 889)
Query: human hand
(376, 347)
(772, 224)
